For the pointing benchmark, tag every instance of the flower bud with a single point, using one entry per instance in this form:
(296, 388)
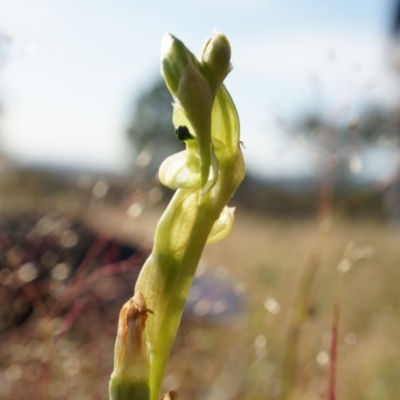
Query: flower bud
(216, 60)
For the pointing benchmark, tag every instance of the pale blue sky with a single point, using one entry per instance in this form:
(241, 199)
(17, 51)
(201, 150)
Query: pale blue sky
(75, 67)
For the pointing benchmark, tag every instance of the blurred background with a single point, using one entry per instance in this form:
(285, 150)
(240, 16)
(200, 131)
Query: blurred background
(302, 300)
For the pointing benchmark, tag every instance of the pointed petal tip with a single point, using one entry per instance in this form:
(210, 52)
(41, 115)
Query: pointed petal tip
(166, 44)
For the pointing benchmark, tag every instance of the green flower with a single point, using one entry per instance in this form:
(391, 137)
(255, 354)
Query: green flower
(205, 175)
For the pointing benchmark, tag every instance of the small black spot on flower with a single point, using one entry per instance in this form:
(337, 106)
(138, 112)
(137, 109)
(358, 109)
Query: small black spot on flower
(183, 134)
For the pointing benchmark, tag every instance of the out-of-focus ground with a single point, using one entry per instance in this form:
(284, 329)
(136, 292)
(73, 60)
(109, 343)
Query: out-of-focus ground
(61, 344)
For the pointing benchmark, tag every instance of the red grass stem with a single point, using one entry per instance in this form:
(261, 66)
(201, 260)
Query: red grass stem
(333, 353)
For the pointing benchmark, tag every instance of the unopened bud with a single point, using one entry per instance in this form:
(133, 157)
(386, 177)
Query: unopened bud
(216, 60)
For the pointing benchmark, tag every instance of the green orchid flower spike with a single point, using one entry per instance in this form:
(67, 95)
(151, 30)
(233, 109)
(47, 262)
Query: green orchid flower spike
(205, 176)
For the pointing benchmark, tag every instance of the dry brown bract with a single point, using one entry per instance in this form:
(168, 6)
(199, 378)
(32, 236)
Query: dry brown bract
(170, 396)
(132, 322)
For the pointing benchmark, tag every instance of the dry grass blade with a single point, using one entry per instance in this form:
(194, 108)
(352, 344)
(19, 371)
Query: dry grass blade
(333, 353)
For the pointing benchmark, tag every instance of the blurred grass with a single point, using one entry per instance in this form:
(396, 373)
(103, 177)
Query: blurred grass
(263, 259)
(266, 256)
